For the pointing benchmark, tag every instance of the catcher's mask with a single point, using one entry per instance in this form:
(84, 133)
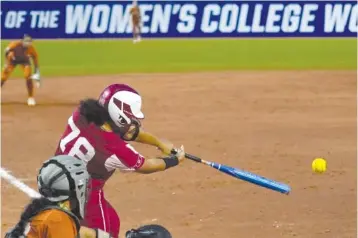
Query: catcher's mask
(64, 178)
(149, 231)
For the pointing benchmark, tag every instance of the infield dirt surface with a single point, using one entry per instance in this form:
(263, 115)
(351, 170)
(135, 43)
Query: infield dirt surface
(273, 123)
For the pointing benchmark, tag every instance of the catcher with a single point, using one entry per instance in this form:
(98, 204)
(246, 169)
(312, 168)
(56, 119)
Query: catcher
(21, 53)
(136, 22)
(62, 182)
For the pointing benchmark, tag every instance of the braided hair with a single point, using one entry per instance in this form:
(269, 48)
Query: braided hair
(35, 206)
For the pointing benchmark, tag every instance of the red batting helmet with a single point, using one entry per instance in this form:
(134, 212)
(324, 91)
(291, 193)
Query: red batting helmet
(123, 103)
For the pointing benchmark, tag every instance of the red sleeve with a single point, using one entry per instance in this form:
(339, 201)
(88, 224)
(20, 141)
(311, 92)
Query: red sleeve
(124, 157)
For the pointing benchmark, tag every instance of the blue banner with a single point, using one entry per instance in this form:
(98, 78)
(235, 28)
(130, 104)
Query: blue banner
(108, 19)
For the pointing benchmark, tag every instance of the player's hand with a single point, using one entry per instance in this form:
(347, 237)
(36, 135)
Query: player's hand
(10, 56)
(180, 153)
(36, 76)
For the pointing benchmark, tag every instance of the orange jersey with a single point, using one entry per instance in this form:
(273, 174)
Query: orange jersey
(52, 223)
(135, 13)
(17, 54)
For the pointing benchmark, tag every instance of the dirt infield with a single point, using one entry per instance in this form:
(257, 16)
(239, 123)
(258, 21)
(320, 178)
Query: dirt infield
(271, 123)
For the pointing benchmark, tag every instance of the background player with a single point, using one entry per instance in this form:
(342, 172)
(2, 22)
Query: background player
(97, 133)
(62, 181)
(136, 22)
(21, 53)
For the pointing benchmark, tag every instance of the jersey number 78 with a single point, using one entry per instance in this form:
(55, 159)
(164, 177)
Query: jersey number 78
(81, 142)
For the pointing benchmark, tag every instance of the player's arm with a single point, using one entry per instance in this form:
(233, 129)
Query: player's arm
(126, 158)
(86, 232)
(137, 134)
(149, 139)
(160, 164)
(9, 52)
(35, 57)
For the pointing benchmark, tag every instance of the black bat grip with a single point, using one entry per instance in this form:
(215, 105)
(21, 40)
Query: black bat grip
(189, 156)
(192, 157)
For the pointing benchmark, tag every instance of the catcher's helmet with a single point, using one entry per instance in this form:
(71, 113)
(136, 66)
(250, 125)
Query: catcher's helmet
(63, 178)
(149, 231)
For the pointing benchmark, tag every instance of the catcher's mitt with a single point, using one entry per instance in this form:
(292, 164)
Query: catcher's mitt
(149, 231)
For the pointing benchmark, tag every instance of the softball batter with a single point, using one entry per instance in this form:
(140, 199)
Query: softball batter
(21, 53)
(97, 133)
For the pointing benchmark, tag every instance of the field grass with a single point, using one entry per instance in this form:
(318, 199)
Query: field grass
(90, 57)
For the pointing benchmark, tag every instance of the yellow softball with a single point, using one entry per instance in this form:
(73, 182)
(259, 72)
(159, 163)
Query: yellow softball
(319, 165)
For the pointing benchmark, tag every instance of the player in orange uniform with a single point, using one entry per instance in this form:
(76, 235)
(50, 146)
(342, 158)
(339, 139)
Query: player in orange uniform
(136, 21)
(62, 182)
(21, 53)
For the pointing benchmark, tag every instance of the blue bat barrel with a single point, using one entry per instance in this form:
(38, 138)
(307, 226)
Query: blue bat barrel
(252, 178)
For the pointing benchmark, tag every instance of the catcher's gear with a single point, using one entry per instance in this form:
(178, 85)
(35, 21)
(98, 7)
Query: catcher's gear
(63, 178)
(149, 231)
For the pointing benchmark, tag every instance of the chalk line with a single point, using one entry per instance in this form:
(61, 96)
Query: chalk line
(18, 184)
